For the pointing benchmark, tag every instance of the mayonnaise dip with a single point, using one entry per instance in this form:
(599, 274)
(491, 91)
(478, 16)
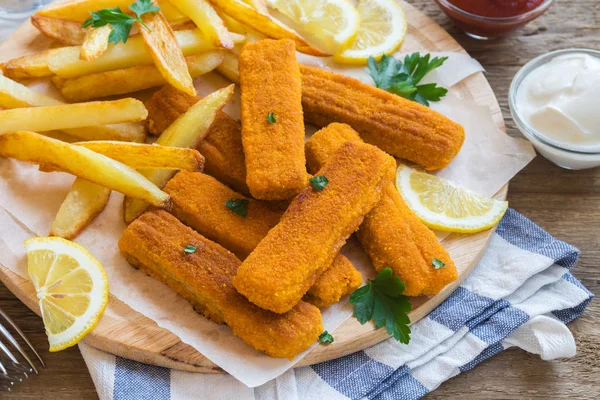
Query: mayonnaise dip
(560, 100)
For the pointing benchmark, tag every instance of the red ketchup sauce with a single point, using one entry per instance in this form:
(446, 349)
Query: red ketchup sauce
(510, 9)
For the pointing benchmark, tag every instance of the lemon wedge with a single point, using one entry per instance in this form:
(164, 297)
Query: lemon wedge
(444, 206)
(382, 31)
(331, 24)
(71, 286)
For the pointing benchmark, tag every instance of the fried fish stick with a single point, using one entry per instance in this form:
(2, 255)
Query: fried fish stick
(199, 202)
(222, 146)
(272, 121)
(403, 128)
(391, 234)
(154, 243)
(337, 281)
(286, 263)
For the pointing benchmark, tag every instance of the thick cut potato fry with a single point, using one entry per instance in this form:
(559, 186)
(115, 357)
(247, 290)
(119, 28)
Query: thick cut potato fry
(65, 61)
(122, 81)
(171, 13)
(31, 66)
(69, 33)
(138, 155)
(83, 203)
(258, 5)
(207, 19)
(66, 116)
(79, 10)
(186, 132)
(14, 95)
(167, 56)
(264, 24)
(95, 43)
(229, 67)
(79, 161)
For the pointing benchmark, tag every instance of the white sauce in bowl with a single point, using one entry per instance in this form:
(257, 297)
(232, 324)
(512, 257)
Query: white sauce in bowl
(561, 101)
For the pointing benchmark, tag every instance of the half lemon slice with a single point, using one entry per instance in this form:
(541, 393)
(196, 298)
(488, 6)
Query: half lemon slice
(332, 24)
(442, 205)
(382, 31)
(71, 286)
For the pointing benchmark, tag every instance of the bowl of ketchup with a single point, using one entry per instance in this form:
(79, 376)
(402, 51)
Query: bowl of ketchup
(485, 19)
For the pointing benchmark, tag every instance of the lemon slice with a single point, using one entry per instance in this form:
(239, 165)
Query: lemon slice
(332, 24)
(382, 31)
(71, 286)
(444, 206)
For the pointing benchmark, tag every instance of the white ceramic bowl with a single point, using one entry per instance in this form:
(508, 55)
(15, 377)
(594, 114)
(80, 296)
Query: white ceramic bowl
(559, 155)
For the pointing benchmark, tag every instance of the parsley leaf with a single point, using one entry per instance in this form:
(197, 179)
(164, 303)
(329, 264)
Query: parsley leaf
(437, 264)
(325, 338)
(402, 77)
(381, 300)
(319, 182)
(238, 206)
(120, 22)
(190, 249)
(271, 118)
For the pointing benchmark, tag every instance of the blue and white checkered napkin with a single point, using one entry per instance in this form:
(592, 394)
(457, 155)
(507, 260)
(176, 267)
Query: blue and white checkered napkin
(520, 294)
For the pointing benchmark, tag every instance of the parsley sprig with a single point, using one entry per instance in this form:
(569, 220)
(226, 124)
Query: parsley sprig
(402, 78)
(326, 338)
(381, 300)
(120, 22)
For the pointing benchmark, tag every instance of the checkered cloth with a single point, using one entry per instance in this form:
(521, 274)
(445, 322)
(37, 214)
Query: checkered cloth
(520, 294)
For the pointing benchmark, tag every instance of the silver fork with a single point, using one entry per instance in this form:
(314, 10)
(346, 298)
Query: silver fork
(13, 369)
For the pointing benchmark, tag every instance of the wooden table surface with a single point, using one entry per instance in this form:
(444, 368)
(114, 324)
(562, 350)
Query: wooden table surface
(565, 203)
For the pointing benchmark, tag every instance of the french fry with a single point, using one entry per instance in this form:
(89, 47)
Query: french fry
(30, 66)
(69, 33)
(79, 161)
(258, 5)
(264, 24)
(83, 203)
(167, 56)
(138, 155)
(67, 116)
(65, 61)
(95, 43)
(171, 13)
(205, 17)
(14, 95)
(186, 132)
(122, 81)
(79, 10)
(229, 67)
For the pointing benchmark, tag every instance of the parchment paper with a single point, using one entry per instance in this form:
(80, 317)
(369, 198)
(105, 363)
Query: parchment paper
(488, 160)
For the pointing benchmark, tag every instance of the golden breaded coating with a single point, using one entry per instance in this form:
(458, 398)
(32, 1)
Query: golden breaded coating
(199, 202)
(165, 106)
(272, 120)
(224, 153)
(222, 145)
(286, 263)
(337, 281)
(403, 128)
(391, 234)
(154, 243)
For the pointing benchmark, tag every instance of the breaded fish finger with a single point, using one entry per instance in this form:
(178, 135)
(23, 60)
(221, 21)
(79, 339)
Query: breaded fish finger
(199, 202)
(272, 120)
(391, 234)
(403, 128)
(222, 145)
(286, 263)
(155, 244)
(337, 281)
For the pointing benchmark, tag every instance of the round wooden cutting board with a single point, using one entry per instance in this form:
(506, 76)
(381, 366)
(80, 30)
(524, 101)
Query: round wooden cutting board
(125, 332)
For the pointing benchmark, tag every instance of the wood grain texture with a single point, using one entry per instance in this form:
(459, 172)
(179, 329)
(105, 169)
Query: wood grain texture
(128, 334)
(563, 202)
